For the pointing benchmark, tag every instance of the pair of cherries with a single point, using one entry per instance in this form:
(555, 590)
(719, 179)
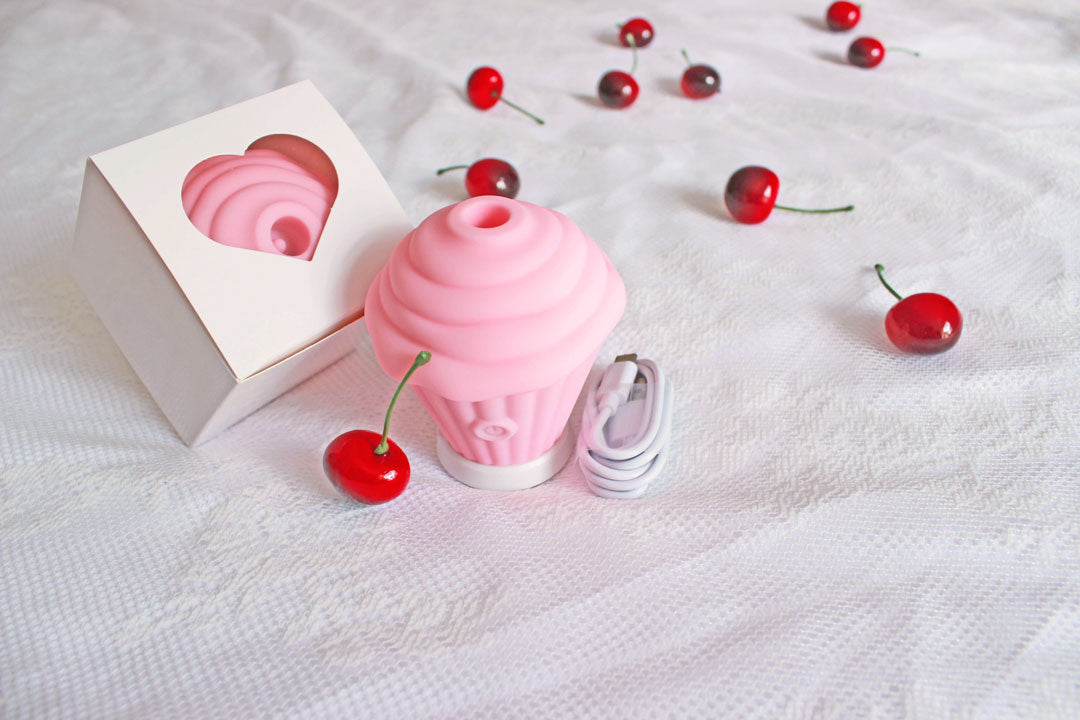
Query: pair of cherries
(489, 176)
(618, 89)
(864, 52)
(750, 195)
(925, 323)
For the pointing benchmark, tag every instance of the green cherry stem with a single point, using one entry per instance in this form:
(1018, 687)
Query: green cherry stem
(846, 208)
(421, 358)
(880, 269)
(686, 56)
(633, 46)
(904, 50)
(517, 107)
(440, 171)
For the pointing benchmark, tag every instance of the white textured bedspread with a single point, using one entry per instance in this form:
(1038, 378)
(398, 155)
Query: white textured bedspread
(844, 531)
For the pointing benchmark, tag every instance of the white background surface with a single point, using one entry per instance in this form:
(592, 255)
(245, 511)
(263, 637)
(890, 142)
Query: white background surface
(845, 531)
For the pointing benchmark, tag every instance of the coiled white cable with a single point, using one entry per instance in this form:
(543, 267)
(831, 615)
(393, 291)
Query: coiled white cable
(625, 428)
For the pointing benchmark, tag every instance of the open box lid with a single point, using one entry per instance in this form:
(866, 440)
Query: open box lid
(260, 307)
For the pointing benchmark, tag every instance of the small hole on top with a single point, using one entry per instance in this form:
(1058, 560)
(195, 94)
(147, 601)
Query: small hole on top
(290, 236)
(486, 216)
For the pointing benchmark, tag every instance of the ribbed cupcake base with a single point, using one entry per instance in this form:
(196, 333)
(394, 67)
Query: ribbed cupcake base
(508, 430)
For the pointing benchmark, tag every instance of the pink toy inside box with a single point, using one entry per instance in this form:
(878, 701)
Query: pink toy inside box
(229, 256)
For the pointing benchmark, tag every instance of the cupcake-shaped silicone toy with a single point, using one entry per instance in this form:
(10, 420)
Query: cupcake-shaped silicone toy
(514, 302)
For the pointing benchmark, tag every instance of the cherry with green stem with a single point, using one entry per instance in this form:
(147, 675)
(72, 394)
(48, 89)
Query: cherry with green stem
(365, 466)
(618, 89)
(635, 32)
(484, 89)
(868, 52)
(489, 176)
(751, 194)
(924, 323)
(699, 81)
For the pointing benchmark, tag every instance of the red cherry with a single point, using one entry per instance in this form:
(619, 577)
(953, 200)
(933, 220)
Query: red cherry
(356, 470)
(699, 81)
(484, 89)
(490, 176)
(637, 28)
(617, 89)
(368, 467)
(842, 15)
(924, 323)
(751, 193)
(866, 52)
(485, 86)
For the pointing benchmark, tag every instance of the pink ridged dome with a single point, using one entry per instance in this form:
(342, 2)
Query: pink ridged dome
(508, 297)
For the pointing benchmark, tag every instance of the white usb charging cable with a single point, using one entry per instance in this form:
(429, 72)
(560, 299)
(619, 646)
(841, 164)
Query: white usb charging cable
(625, 428)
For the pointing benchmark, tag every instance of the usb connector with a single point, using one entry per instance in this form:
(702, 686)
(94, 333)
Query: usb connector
(617, 382)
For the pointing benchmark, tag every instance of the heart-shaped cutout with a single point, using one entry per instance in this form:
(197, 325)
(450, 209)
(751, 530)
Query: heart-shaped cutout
(275, 198)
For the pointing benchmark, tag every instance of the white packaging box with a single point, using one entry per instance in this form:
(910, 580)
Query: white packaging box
(215, 332)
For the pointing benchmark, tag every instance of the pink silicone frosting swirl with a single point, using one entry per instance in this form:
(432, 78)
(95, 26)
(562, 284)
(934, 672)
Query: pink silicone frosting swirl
(259, 201)
(507, 296)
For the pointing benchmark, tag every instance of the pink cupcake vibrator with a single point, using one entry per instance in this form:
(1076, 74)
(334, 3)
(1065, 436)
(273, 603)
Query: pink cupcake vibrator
(514, 302)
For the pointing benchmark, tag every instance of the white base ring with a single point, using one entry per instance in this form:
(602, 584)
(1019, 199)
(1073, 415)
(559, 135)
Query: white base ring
(505, 477)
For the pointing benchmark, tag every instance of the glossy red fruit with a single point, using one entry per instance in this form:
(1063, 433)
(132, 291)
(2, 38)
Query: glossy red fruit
(484, 87)
(639, 28)
(490, 176)
(617, 89)
(368, 467)
(352, 465)
(866, 52)
(699, 81)
(842, 15)
(751, 194)
(924, 323)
